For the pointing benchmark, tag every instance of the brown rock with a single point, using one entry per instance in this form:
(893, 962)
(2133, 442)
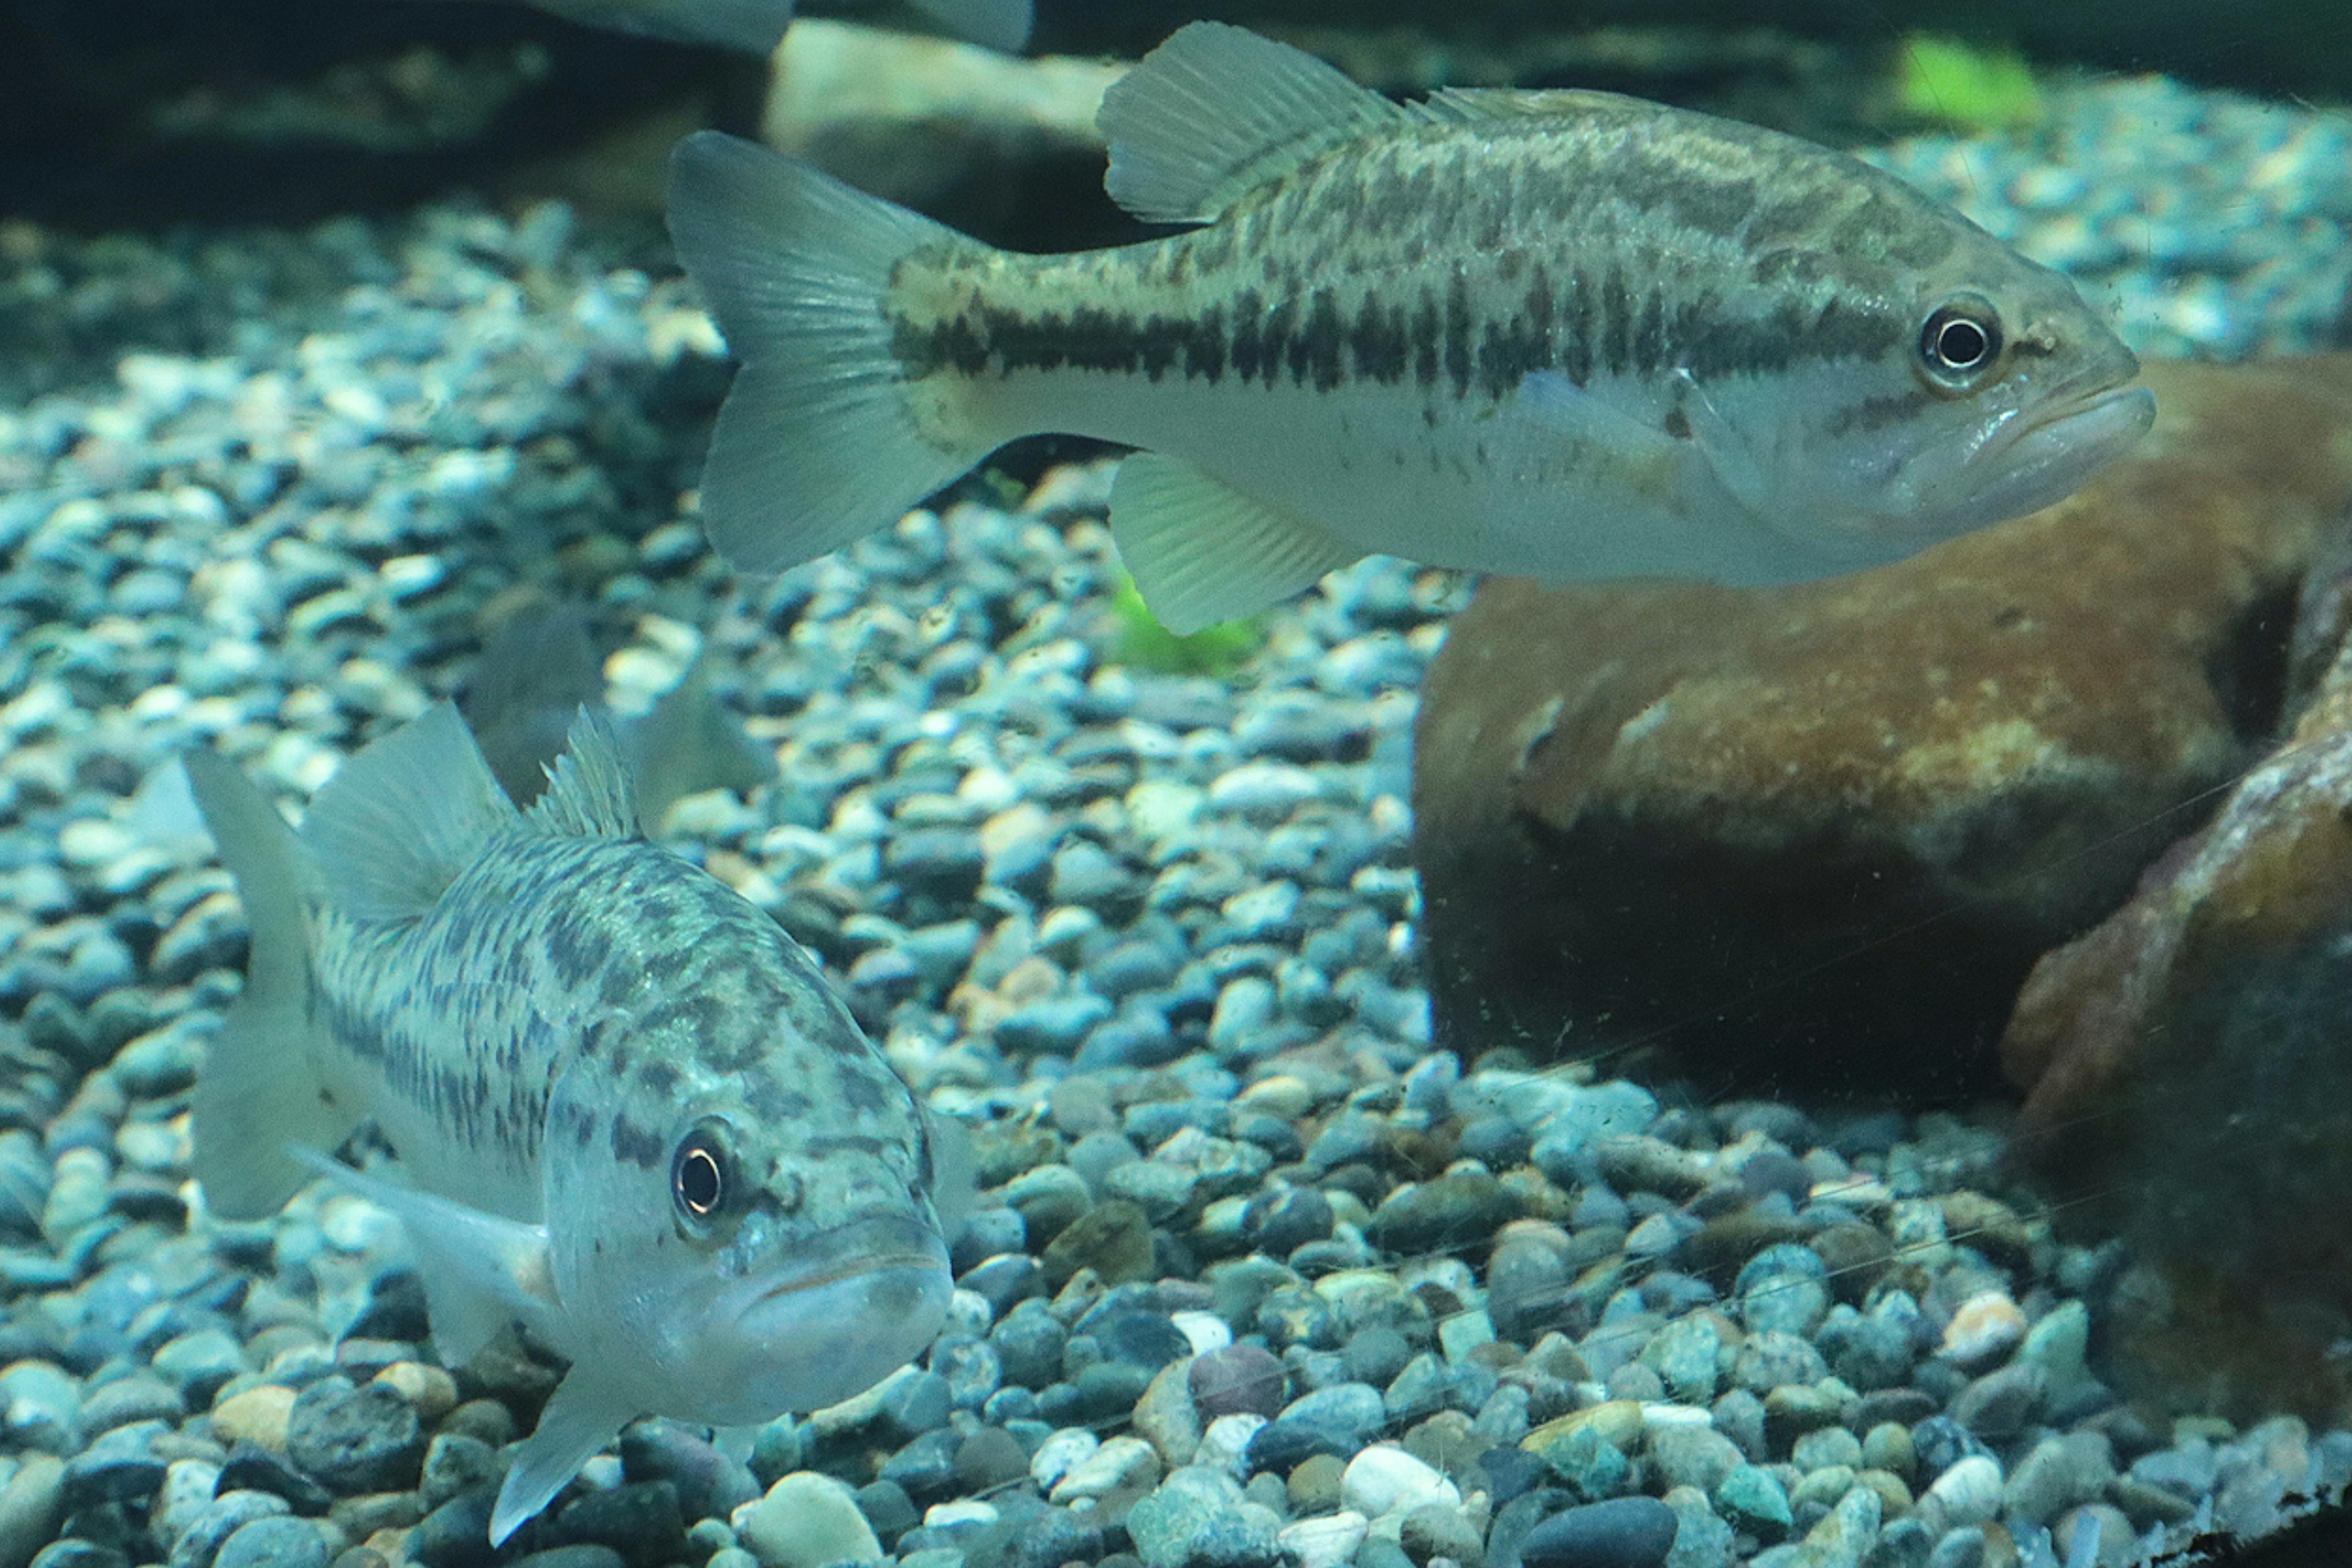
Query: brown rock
(1781, 830)
(2185, 1062)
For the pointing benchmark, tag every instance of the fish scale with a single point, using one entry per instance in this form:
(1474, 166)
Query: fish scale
(1568, 334)
(623, 1108)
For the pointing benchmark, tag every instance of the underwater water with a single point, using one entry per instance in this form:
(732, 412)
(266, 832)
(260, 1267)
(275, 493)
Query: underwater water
(1840, 1074)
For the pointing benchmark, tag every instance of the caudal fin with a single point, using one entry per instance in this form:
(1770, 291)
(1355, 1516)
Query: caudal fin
(818, 443)
(261, 1089)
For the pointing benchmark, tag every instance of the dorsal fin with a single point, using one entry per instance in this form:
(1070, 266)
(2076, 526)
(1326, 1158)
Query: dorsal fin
(399, 822)
(1469, 105)
(588, 794)
(1217, 111)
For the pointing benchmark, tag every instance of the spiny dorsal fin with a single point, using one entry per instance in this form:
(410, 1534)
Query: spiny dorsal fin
(1217, 111)
(399, 822)
(588, 794)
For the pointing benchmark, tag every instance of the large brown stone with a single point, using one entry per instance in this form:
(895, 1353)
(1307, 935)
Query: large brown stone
(2186, 1063)
(1818, 835)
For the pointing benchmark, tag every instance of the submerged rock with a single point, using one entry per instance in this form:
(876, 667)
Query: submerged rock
(2181, 1059)
(1780, 828)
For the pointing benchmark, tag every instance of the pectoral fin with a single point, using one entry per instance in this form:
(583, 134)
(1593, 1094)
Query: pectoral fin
(481, 1272)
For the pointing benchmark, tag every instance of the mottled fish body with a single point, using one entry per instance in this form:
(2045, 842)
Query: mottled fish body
(756, 26)
(626, 1109)
(1567, 334)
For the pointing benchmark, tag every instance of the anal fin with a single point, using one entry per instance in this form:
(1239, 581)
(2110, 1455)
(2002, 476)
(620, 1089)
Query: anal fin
(1201, 552)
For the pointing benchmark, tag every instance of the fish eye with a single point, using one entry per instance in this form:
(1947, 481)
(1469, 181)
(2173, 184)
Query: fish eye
(1960, 343)
(702, 1175)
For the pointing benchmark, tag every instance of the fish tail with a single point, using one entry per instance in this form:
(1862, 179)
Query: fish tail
(820, 441)
(261, 1090)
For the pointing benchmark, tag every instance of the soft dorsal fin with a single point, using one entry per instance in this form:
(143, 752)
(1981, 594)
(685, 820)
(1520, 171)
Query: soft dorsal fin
(1217, 111)
(588, 793)
(1469, 105)
(399, 822)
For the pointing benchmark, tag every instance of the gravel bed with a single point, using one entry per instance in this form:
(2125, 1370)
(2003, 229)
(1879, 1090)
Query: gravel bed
(1257, 1278)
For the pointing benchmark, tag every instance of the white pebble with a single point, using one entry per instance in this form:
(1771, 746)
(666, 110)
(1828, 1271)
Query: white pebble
(806, 1521)
(1117, 1464)
(1060, 1454)
(1970, 1491)
(1205, 1331)
(1385, 1479)
(1324, 1543)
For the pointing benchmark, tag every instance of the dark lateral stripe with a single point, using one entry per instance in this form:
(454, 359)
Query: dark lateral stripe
(1584, 323)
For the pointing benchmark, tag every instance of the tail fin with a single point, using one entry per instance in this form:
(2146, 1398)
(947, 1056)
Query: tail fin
(818, 444)
(261, 1088)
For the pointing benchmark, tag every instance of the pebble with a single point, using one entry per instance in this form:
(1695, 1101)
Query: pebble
(1984, 1328)
(275, 1542)
(363, 1438)
(1622, 1533)
(1969, 1492)
(1384, 1479)
(806, 1521)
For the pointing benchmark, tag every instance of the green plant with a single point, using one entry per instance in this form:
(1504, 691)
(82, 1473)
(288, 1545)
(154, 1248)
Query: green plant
(1140, 640)
(1975, 87)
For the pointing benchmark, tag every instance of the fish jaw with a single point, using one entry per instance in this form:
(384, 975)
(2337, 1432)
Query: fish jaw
(2026, 465)
(858, 1302)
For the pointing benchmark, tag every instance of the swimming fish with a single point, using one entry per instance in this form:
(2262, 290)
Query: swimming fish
(757, 26)
(1563, 334)
(624, 1108)
(540, 668)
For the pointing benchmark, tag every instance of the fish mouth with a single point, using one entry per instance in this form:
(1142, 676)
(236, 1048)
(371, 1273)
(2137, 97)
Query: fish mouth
(860, 1249)
(2030, 464)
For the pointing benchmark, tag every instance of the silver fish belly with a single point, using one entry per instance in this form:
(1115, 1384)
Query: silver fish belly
(1568, 335)
(626, 1109)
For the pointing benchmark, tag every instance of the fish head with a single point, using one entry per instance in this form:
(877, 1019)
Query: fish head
(724, 1265)
(1999, 391)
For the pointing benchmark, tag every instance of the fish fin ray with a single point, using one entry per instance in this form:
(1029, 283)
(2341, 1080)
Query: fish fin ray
(1217, 111)
(1729, 452)
(1560, 406)
(572, 1429)
(1201, 552)
(687, 742)
(588, 790)
(260, 1083)
(401, 820)
(818, 443)
(1001, 25)
(481, 1272)
(1471, 105)
(533, 674)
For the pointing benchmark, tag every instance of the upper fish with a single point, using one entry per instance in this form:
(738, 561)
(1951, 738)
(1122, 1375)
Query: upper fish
(757, 26)
(1565, 334)
(624, 1108)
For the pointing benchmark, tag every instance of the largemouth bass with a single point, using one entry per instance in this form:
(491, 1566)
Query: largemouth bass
(626, 1109)
(1565, 334)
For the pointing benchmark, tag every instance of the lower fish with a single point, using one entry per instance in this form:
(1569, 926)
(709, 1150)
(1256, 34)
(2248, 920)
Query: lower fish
(1562, 334)
(624, 1108)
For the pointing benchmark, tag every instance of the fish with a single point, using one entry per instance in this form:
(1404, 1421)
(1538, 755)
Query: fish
(539, 669)
(1564, 334)
(756, 26)
(625, 1109)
